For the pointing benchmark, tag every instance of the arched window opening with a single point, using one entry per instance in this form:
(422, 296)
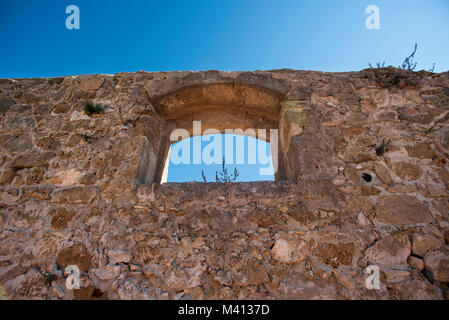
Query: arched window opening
(219, 158)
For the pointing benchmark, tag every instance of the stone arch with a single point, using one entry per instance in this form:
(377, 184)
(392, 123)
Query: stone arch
(220, 106)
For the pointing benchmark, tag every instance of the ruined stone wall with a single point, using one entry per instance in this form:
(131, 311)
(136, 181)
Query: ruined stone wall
(364, 182)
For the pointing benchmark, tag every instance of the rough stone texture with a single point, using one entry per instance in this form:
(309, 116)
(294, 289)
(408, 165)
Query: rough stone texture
(107, 272)
(30, 160)
(382, 173)
(75, 195)
(92, 84)
(84, 190)
(391, 251)
(423, 243)
(74, 255)
(416, 263)
(437, 262)
(401, 210)
(289, 251)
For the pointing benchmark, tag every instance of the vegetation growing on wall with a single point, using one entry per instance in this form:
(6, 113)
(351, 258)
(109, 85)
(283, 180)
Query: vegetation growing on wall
(91, 109)
(403, 76)
(223, 176)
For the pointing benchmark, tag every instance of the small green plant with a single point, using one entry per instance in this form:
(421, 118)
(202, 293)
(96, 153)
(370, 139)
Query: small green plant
(90, 108)
(380, 150)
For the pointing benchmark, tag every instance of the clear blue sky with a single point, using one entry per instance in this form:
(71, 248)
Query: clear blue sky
(115, 36)
(248, 170)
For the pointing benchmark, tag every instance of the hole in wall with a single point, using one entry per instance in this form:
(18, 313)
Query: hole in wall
(201, 159)
(367, 177)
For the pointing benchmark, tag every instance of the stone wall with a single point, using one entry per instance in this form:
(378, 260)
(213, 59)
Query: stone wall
(364, 163)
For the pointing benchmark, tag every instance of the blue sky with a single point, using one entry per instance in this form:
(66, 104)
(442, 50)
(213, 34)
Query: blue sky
(115, 36)
(248, 170)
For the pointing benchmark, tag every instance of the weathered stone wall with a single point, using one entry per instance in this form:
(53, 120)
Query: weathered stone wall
(77, 190)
